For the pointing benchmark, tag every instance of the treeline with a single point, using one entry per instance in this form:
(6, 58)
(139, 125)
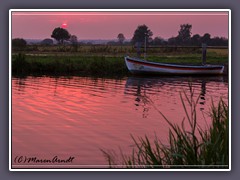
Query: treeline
(141, 35)
(195, 40)
(184, 38)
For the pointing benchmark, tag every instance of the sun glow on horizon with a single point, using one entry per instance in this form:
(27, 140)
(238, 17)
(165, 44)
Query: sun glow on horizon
(107, 24)
(64, 25)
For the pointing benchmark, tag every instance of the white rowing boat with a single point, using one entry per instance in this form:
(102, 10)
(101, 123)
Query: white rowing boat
(139, 66)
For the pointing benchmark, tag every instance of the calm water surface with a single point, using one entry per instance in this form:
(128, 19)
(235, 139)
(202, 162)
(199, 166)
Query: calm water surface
(78, 116)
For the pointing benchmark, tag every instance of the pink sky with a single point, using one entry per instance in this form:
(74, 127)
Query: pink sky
(107, 25)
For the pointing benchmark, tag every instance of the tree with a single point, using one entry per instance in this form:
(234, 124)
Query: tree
(140, 33)
(60, 35)
(196, 40)
(47, 41)
(19, 43)
(172, 41)
(184, 34)
(158, 41)
(73, 39)
(206, 38)
(121, 38)
(217, 41)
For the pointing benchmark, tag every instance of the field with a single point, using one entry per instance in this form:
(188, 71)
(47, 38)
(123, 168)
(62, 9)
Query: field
(101, 60)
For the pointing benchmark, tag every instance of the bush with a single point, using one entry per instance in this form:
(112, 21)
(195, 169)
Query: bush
(19, 44)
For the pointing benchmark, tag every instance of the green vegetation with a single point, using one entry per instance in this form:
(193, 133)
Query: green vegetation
(68, 65)
(192, 147)
(191, 59)
(96, 60)
(118, 50)
(19, 44)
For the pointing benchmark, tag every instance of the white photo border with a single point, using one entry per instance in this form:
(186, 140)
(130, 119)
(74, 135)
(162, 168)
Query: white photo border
(114, 10)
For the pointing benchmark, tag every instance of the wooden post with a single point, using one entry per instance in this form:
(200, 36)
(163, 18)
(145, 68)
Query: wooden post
(204, 53)
(145, 46)
(138, 46)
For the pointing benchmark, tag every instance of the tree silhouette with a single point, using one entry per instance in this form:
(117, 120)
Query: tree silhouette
(184, 38)
(172, 41)
(184, 34)
(47, 41)
(19, 43)
(121, 38)
(73, 39)
(219, 41)
(206, 38)
(158, 41)
(196, 40)
(60, 35)
(140, 33)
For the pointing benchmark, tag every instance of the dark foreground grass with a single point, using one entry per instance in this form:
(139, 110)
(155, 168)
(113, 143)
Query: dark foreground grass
(94, 65)
(194, 148)
(69, 65)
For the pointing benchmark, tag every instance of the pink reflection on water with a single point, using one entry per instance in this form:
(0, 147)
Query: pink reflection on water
(79, 116)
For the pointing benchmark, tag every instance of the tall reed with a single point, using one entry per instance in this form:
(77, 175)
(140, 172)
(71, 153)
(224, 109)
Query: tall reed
(194, 147)
(69, 65)
(19, 64)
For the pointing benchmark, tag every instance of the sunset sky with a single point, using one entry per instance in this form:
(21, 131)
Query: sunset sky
(107, 25)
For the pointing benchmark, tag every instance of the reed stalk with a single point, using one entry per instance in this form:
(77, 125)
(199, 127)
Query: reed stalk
(194, 147)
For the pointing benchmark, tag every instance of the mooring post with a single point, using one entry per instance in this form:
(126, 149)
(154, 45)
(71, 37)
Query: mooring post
(138, 46)
(145, 47)
(204, 53)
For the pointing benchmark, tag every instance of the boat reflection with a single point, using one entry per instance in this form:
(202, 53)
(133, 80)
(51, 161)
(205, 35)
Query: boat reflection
(160, 89)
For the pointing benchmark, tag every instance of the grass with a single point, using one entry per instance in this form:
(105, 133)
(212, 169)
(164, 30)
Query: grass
(194, 148)
(95, 65)
(69, 65)
(100, 60)
(193, 59)
(114, 49)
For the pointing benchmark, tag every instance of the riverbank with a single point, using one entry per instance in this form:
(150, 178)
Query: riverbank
(96, 65)
(68, 65)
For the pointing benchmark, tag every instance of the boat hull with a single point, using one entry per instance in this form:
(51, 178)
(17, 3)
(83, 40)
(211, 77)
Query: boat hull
(138, 66)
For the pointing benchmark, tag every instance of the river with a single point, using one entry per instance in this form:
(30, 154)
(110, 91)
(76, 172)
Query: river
(76, 117)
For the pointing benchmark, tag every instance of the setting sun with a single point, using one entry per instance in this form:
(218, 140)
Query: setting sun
(64, 25)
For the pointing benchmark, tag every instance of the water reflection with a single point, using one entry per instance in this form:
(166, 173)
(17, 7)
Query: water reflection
(144, 88)
(202, 94)
(79, 115)
(20, 83)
